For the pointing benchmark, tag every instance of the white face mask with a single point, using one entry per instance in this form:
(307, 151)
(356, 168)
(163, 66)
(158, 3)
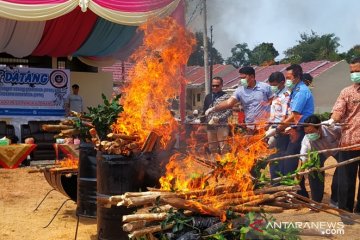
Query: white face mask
(355, 77)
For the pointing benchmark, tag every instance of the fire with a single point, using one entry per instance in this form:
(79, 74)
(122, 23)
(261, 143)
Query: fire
(68, 162)
(232, 170)
(155, 80)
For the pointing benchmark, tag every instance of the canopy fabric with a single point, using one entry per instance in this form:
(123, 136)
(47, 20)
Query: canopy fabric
(127, 12)
(64, 35)
(20, 38)
(105, 39)
(95, 31)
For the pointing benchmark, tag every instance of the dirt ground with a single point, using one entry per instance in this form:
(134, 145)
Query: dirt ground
(21, 192)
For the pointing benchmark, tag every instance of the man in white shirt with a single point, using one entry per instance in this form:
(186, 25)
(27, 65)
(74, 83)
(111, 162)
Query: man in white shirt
(74, 101)
(319, 138)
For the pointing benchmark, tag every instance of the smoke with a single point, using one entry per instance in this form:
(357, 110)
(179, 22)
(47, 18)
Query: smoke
(276, 21)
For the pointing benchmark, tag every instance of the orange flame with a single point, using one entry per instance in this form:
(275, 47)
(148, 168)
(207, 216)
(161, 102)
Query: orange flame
(68, 162)
(233, 169)
(155, 80)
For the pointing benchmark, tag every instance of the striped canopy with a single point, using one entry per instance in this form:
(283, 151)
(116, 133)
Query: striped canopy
(92, 30)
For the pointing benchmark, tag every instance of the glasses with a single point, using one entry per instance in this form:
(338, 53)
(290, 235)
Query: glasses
(215, 85)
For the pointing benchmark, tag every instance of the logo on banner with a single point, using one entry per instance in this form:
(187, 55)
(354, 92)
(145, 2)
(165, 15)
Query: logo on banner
(58, 79)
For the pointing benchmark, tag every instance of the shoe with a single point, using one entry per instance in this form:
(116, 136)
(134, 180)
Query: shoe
(333, 204)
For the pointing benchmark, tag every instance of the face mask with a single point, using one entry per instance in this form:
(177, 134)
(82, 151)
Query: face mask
(274, 89)
(244, 82)
(289, 83)
(355, 77)
(313, 136)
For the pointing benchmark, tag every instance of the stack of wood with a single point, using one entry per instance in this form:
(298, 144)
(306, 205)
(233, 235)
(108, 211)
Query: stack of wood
(117, 143)
(123, 144)
(153, 206)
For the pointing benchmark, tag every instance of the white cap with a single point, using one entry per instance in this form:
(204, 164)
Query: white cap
(195, 112)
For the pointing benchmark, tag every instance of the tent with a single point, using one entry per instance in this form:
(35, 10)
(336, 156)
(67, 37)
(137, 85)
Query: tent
(95, 31)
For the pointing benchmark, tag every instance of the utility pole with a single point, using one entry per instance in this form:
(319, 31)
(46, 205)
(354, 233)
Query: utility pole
(211, 53)
(206, 52)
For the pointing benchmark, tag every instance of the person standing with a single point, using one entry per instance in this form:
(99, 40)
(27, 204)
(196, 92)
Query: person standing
(317, 138)
(74, 101)
(217, 130)
(279, 110)
(347, 110)
(301, 107)
(254, 97)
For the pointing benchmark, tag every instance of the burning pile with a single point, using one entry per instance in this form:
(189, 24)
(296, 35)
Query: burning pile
(155, 80)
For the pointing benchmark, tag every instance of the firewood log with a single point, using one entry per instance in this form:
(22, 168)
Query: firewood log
(132, 226)
(144, 216)
(122, 136)
(268, 209)
(195, 207)
(55, 128)
(147, 230)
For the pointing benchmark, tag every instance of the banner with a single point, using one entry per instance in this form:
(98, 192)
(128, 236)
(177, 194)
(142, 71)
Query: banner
(33, 91)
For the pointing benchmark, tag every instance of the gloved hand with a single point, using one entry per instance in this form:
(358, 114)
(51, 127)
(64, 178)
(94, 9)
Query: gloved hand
(329, 122)
(209, 110)
(214, 120)
(270, 133)
(272, 142)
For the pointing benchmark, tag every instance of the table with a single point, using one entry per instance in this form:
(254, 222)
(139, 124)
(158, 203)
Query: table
(12, 155)
(67, 149)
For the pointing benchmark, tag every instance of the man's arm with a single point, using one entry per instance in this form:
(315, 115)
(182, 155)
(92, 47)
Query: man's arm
(293, 117)
(229, 103)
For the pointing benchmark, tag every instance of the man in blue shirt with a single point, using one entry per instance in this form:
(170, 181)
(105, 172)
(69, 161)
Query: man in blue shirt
(254, 96)
(301, 107)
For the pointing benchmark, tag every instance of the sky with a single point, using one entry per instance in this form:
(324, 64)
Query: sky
(276, 21)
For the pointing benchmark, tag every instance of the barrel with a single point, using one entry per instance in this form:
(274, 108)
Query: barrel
(86, 193)
(116, 174)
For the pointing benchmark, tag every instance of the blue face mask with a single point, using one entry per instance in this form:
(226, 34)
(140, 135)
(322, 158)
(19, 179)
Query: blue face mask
(313, 136)
(355, 77)
(289, 83)
(244, 82)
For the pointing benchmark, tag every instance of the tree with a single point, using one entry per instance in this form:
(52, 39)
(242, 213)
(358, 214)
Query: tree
(197, 57)
(263, 54)
(240, 56)
(312, 47)
(353, 53)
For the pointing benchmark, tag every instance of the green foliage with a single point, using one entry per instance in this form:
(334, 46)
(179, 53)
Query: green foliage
(312, 47)
(240, 55)
(324, 116)
(264, 53)
(249, 226)
(103, 116)
(197, 56)
(353, 53)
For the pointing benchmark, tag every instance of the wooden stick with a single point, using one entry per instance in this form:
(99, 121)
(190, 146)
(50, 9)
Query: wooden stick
(348, 214)
(130, 227)
(268, 209)
(320, 151)
(195, 207)
(265, 198)
(144, 216)
(352, 160)
(144, 231)
(122, 136)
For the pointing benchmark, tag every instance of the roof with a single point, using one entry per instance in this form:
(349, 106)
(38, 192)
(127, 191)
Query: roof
(230, 75)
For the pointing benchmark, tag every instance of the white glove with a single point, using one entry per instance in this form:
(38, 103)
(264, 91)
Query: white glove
(214, 120)
(270, 133)
(209, 110)
(272, 142)
(329, 122)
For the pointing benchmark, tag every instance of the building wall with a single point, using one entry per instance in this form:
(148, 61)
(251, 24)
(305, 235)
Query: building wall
(327, 86)
(92, 85)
